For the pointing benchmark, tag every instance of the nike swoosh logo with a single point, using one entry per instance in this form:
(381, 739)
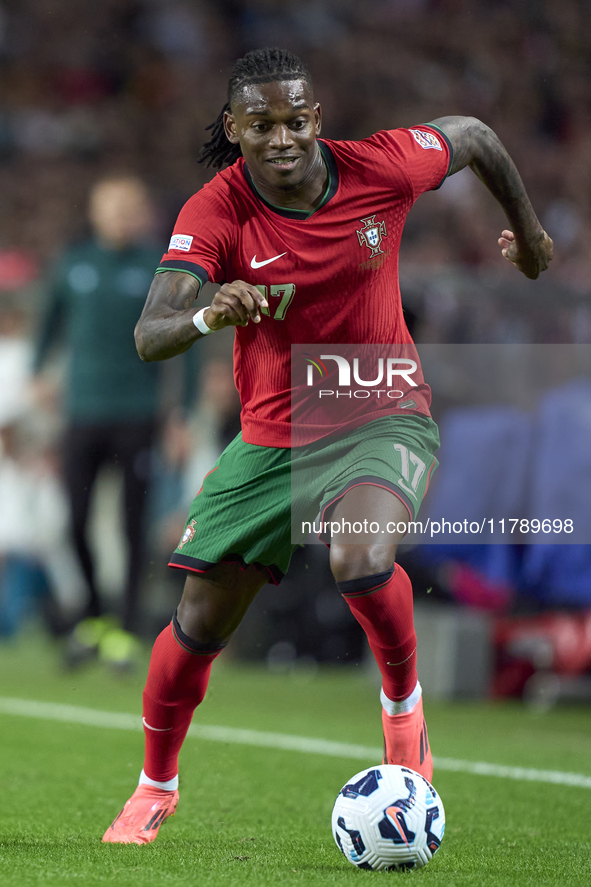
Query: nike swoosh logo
(156, 729)
(255, 264)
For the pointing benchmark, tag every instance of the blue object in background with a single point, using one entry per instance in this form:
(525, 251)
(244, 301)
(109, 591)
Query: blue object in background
(498, 462)
(483, 470)
(23, 587)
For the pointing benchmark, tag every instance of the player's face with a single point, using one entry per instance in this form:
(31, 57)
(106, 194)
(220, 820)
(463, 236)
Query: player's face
(276, 125)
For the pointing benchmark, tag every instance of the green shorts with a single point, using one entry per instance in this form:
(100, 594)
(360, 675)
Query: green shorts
(255, 501)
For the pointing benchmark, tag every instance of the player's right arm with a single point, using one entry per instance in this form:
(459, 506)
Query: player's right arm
(166, 326)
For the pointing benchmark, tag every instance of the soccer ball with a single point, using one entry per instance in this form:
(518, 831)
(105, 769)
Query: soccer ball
(388, 817)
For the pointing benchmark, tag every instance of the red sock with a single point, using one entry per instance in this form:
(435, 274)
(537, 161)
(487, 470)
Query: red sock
(177, 681)
(382, 605)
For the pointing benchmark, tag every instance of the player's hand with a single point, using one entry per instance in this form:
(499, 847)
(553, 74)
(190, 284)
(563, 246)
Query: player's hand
(235, 304)
(531, 258)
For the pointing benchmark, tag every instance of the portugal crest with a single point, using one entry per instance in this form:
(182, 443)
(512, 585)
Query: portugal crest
(371, 235)
(188, 534)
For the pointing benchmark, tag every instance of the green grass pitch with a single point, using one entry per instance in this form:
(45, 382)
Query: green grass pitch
(261, 816)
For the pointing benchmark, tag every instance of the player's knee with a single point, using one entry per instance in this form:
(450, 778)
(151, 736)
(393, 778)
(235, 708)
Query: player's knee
(209, 612)
(356, 561)
(199, 624)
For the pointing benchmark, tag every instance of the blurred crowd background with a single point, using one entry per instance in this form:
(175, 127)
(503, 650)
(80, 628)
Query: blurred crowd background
(91, 91)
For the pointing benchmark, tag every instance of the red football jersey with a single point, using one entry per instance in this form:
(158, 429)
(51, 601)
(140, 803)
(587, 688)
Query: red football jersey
(330, 276)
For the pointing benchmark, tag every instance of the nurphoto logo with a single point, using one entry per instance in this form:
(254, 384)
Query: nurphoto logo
(387, 372)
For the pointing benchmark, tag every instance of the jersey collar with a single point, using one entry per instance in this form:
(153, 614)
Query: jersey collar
(331, 188)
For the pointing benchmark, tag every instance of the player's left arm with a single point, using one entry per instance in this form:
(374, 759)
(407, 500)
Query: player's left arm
(526, 245)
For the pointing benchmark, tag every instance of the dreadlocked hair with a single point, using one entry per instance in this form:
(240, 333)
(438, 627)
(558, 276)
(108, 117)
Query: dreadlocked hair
(258, 66)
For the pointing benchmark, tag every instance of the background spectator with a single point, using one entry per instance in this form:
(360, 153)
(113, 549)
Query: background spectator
(111, 401)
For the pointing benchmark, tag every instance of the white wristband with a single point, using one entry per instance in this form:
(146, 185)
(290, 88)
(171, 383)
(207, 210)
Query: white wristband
(200, 322)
